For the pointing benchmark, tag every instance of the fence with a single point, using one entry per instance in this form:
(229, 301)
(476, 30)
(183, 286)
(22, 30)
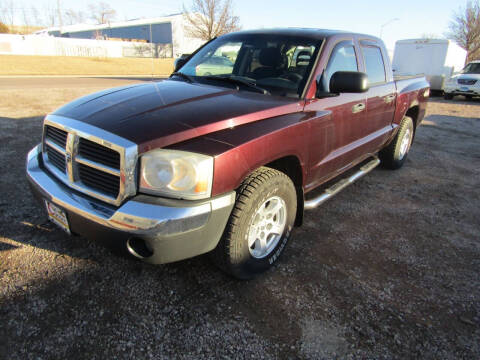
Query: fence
(54, 46)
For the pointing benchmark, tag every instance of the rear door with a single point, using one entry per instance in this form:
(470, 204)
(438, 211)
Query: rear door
(381, 97)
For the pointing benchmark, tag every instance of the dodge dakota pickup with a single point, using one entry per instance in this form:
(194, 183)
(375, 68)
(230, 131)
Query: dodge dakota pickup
(224, 161)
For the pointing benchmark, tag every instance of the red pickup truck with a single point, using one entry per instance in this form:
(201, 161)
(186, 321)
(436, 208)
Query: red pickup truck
(224, 160)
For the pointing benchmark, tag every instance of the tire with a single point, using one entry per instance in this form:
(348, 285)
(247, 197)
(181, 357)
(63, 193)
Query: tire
(238, 253)
(395, 154)
(448, 96)
(468, 97)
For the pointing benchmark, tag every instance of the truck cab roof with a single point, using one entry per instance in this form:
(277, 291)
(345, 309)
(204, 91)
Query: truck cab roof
(312, 33)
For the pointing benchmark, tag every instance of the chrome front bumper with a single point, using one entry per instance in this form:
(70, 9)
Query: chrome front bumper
(171, 229)
(467, 90)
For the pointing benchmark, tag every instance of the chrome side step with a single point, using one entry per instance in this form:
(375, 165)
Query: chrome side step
(342, 184)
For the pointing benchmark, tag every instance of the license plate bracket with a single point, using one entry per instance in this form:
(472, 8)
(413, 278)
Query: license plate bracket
(57, 216)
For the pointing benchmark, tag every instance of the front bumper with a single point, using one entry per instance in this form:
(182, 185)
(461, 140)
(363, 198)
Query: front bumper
(170, 229)
(462, 90)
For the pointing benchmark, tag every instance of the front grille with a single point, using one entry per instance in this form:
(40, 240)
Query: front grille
(96, 179)
(56, 135)
(57, 159)
(467, 81)
(95, 152)
(81, 161)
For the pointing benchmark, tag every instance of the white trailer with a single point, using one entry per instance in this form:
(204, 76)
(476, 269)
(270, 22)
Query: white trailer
(437, 59)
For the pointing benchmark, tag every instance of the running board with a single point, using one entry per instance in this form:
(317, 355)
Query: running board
(342, 184)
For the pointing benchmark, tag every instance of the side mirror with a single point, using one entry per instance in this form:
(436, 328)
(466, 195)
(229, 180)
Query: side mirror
(180, 62)
(348, 82)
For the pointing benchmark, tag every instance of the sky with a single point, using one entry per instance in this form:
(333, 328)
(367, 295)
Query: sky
(401, 19)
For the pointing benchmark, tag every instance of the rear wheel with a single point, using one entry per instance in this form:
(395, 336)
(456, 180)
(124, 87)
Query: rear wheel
(395, 154)
(260, 224)
(448, 96)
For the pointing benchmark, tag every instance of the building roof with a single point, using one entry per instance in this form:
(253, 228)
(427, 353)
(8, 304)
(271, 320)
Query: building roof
(134, 22)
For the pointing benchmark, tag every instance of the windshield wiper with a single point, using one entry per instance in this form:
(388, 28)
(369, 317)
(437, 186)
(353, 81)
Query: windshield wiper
(238, 82)
(183, 76)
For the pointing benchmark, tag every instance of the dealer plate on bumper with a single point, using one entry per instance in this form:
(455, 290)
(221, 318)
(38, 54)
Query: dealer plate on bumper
(57, 216)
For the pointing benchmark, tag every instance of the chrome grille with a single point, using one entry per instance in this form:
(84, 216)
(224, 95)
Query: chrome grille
(90, 159)
(95, 152)
(467, 81)
(56, 135)
(99, 180)
(57, 159)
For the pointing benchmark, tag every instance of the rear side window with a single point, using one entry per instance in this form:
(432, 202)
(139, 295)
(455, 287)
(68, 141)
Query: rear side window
(374, 64)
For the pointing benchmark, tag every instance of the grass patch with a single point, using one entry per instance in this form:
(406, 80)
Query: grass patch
(72, 65)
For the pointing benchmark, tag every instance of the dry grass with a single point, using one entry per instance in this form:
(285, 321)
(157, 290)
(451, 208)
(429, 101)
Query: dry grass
(23, 29)
(35, 103)
(70, 65)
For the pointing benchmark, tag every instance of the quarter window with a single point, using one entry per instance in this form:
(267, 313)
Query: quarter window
(374, 64)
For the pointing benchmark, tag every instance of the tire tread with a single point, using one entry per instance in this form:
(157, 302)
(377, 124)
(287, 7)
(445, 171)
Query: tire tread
(387, 155)
(227, 247)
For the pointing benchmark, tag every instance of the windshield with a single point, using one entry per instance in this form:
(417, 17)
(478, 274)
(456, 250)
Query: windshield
(472, 68)
(279, 64)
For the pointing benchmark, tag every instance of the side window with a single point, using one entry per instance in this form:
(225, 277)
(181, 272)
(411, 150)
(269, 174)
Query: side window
(342, 59)
(374, 64)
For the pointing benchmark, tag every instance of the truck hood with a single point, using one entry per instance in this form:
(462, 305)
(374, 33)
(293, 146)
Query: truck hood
(158, 114)
(465, 76)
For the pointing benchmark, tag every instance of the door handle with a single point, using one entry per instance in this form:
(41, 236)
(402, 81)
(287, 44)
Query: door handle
(389, 98)
(358, 108)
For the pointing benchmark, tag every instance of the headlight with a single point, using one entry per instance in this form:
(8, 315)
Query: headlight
(177, 174)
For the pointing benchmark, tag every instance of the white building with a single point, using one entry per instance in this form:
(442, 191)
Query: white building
(167, 32)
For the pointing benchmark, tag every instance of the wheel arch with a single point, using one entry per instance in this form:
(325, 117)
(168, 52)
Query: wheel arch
(413, 112)
(291, 166)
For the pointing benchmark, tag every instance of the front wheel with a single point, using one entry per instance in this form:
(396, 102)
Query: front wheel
(448, 96)
(395, 154)
(260, 224)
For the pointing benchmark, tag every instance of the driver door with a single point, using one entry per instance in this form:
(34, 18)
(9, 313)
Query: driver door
(334, 143)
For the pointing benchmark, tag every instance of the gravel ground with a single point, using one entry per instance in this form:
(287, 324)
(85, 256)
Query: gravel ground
(388, 269)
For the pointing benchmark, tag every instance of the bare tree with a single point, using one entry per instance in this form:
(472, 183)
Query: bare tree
(26, 20)
(465, 29)
(37, 19)
(101, 12)
(50, 14)
(74, 17)
(7, 12)
(207, 19)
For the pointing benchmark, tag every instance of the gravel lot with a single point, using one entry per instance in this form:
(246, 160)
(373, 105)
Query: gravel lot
(388, 269)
